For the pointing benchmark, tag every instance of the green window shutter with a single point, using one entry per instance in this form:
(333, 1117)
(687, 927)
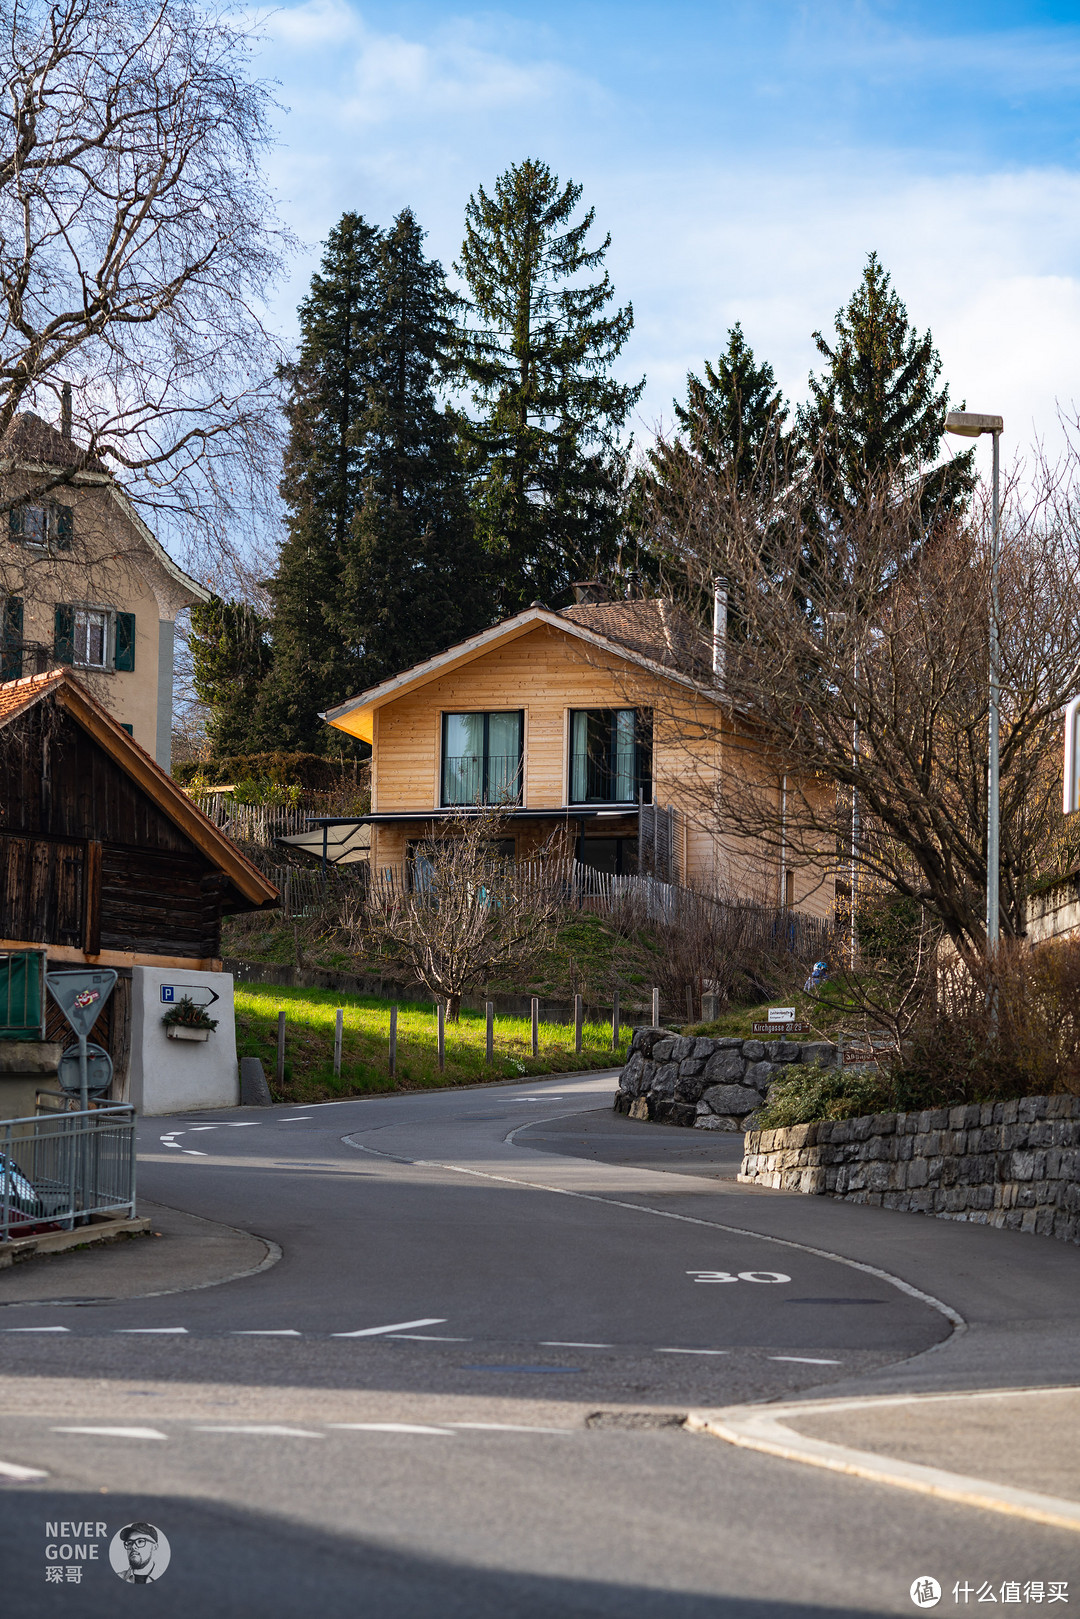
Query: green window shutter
(130, 729)
(11, 642)
(15, 523)
(125, 642)
(64, 634)
(65, 527)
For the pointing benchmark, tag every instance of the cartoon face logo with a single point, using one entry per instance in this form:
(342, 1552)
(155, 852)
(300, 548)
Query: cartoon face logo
(139, 1553)
(87, 997)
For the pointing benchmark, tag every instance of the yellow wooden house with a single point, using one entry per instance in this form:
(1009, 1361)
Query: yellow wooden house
(603, 723)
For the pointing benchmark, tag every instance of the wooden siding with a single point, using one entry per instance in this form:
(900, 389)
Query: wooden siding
(41, 889)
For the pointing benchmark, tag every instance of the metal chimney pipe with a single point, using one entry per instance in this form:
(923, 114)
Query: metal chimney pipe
(719, 630)
(65, 411)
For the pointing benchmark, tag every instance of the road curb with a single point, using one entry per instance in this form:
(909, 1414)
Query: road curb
(765, 1429)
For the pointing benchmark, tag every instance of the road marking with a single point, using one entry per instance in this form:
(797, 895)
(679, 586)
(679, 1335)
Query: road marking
(20, 1474)
(193, 1152)
(395, 1326)
(806, 1360)
(195, 1127)
(258, 1428)
(522, 1368)
(241, 1124)
(296, 1118)
(175, 1144)
(150, 1329)
(117, 1433)
(391, 1427)
(507, 1427)
(568, 1343)
(743, 1276)
(35, 1329)
(265, 1332)
(693, 1351)
(427, 1338)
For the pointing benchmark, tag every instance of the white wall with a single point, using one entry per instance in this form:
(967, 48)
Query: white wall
(170, 1076)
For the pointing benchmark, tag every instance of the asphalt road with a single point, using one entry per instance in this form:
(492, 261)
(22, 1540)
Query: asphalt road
(458, 1390)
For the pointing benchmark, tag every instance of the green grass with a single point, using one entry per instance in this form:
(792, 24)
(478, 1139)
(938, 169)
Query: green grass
(309, 1045)
(826, 1014)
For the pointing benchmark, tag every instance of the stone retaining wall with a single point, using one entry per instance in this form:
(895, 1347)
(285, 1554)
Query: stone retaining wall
(1013, 1164)
(705, 1083)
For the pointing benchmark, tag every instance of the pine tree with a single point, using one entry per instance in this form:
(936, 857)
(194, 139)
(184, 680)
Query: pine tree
(876, 416)
(414, 581)
(314, 664)
(230, 654)
(537, 354)
(735, 418)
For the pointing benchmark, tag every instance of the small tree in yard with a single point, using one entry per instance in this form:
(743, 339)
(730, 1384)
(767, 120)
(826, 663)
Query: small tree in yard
(470, 914)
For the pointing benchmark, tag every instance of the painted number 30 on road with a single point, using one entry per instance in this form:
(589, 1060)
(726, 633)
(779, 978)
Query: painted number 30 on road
(743, 1276)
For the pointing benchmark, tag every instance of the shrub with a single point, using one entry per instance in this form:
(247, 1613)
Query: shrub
(808, 1092)
(309, 770)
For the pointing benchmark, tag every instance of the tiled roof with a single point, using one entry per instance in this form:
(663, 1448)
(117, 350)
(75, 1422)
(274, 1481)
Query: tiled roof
(29, 438)
(15, 695)
(656, 629)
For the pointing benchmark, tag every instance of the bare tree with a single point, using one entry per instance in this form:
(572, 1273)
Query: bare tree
(137, 242)
(856, 678)
(469, 913)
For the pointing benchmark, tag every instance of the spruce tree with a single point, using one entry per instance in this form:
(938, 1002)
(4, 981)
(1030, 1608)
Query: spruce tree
(735, 418)
(876, 416)
(314, 663)
(230, 655)
(414, 581)
(537, 353)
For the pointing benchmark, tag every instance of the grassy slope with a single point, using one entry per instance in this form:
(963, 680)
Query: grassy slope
(309, 1045)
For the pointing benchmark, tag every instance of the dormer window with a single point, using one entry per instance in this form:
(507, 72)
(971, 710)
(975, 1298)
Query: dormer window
(43, 527)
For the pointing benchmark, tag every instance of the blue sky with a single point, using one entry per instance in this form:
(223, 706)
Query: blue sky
(744, 156)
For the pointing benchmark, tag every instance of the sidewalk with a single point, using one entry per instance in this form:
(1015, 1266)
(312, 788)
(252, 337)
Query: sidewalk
(180, 1251)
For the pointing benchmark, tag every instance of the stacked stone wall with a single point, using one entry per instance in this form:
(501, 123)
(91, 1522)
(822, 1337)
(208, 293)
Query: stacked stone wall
(1013, 1164)
(706, 1083)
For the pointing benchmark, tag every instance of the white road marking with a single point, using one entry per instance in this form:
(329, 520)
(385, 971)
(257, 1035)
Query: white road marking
(395, 1326)
(806, 1360)
(117, 1433)
(35, 1329)
(259, 1428)
(193, 1152)
(569, 1343)
(195, 1127)
(175, 1144)
(265, 1332)
(507, 1427)
(13, 1470)
(693, 1351)
(241, 1124)
(296, 1118)
(150, 1329)
(392, 1427)
(427, 1338)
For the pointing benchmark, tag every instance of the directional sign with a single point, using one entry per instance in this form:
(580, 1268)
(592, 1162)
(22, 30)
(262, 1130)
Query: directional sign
(781, 1028)
(81, 995)
(197, 994)
(781, 1014)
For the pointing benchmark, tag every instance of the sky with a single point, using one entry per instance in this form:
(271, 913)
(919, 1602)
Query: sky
(745, 158)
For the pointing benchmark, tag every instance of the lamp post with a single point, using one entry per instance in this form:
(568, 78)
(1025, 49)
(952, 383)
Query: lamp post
(967, 424)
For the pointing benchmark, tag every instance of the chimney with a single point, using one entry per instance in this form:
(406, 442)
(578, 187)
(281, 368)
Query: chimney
(65, 411)
(633, 585)
(719, 628)
(589, 591)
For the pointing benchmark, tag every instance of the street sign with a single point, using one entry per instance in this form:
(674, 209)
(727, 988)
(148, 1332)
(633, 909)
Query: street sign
(99, 1069)
(781, 1014)
(197, 994)
(81, 995)
(781, 1028)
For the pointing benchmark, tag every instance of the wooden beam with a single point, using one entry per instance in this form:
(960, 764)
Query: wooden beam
(92, 898)
(114, 958)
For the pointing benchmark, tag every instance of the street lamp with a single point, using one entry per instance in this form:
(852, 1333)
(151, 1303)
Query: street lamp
(967, 424)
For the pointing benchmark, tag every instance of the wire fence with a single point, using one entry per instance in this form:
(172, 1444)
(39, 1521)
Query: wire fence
(57, 1169)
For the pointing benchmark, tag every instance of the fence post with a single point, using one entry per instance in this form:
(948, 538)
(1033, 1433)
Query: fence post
(655, 1008)
(338, 1020)
(535, 1026)
(689, 1004)
(442, 1037)
(579, 1014)
(490, 1007)
(287, 896)
(281, 1049)
(615, 1022)
(393, 1041)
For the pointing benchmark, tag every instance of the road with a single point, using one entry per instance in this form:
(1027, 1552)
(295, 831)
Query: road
(457, 1386)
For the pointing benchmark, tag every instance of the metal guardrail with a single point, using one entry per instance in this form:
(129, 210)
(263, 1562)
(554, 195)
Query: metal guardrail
(58, 1169)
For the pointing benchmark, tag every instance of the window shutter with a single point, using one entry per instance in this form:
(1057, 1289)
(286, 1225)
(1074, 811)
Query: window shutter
(15, 524)
(64, 634)
(11, 644)
(125, 642)
(130, 729)
(65, 527)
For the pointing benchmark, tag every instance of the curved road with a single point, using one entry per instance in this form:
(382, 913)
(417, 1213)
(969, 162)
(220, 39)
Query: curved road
(458, 1389)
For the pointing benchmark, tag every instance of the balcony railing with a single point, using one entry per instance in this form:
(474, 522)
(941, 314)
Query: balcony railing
(469, 778)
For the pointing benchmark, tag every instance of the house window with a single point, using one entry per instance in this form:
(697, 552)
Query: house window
(481, 758)
(610, 756)
(45, 527)
(91, 638)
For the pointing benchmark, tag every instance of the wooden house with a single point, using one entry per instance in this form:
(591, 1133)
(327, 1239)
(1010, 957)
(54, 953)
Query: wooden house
(85, 583)
(604, 723)
(104, 861)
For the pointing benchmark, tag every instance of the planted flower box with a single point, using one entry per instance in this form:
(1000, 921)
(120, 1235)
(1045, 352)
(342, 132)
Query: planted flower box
(177, 1031)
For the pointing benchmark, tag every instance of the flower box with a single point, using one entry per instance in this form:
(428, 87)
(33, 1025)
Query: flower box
(177, 1031)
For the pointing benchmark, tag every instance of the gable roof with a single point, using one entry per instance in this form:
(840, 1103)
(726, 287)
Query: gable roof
(18, 697)
(655, 628)
(31, 442)
(649, 650)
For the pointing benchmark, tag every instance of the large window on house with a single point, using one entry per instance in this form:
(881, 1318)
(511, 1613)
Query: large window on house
(481, 757)
(91, 643)
(610, 756)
